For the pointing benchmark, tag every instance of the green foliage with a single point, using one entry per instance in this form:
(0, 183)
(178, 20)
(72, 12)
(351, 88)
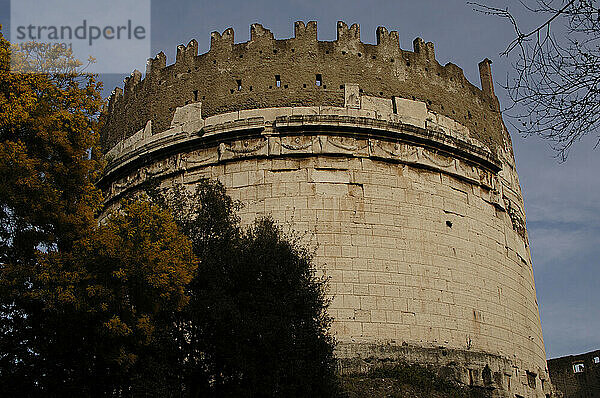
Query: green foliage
(110, 308)
(257, 321)
(163, 298)
(49, 161)
(126, 279)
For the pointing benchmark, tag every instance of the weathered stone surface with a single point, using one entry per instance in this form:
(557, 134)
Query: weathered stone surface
(418, 215)
(237, 76)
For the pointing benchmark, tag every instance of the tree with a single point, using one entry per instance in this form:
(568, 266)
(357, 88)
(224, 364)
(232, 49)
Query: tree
(256, 324)
(122, 290)
(49, 161)
(84, 309)
(149, 300)
(555, 84)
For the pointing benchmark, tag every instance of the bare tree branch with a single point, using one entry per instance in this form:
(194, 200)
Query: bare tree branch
(554, 85)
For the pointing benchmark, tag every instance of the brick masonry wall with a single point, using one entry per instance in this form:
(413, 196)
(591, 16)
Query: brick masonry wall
(383, 70)
(584, 383)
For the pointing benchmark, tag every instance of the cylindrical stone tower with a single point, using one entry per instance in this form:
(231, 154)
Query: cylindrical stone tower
(401, 170)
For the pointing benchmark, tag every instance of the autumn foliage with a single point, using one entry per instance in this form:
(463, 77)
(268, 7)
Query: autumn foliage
(159, 296)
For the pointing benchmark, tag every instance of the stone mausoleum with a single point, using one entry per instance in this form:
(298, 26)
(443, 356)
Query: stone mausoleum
(400, 169)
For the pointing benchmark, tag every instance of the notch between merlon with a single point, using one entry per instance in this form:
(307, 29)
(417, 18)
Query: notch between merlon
(187, 53)
(385, 39)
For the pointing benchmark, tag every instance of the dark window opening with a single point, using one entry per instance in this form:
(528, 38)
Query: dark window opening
(486, 375)
(470, 377)
(195, 95)
(285, 86)
(449, 224)
(250, 88)
(231, 91)
(359, 54)
(318, 80)
(239, 84)
(531, 379)
(278, 80)
(304, 85)
(274, 51)
(343, 52)
(341, 86)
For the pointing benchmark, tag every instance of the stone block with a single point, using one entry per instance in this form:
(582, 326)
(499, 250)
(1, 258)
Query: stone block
(351, 96)
(411, 112)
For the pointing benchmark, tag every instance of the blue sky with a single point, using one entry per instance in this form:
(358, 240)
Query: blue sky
(561, 200)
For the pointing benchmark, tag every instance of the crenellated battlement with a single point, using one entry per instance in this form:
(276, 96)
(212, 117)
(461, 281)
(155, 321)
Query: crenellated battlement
(306, 32)
(301, 71)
